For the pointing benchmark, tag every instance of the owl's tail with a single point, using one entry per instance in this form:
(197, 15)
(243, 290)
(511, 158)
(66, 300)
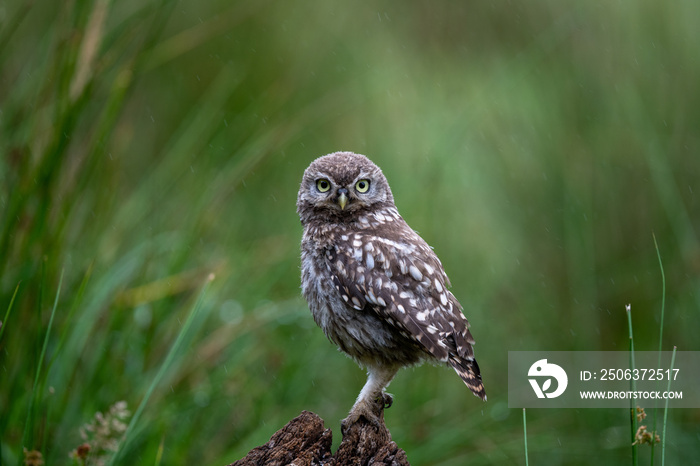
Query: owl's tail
(468, 370)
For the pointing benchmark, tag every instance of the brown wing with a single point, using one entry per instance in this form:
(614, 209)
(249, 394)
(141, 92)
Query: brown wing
(403, 281)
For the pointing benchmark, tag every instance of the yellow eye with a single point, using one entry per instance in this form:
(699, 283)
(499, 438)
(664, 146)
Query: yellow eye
(362, 186)
(323, 185)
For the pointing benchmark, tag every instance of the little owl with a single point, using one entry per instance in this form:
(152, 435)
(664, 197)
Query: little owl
(373, 284)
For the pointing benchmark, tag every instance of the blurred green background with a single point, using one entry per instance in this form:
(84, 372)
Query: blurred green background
(147, 144)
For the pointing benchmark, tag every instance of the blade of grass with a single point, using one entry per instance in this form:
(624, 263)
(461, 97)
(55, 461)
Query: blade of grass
(663, 297)
(661, 335)
(67, 321)
(159, 455)
(633, 417)
(3, 324)
(663, 434)
(128, 437)
(525, 435)
(32, 404)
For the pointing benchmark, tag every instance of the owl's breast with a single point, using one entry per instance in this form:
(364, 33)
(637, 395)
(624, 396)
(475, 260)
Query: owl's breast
(362, 334)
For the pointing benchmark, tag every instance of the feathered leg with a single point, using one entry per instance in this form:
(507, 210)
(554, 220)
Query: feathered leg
(372, 399)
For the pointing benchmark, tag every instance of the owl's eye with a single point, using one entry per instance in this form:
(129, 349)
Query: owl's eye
(362, 186)
(323, 185)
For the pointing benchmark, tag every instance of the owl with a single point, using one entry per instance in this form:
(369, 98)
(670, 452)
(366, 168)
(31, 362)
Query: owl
(374, 286)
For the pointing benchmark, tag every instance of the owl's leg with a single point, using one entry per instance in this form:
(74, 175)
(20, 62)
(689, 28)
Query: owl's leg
(372, 399)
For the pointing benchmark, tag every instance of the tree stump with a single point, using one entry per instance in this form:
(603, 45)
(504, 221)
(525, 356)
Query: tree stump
(305, 442)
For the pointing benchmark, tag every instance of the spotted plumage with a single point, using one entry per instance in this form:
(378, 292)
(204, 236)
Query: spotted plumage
(373, 284)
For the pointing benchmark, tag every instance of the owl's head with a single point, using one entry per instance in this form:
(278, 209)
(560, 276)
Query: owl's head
(342, 186)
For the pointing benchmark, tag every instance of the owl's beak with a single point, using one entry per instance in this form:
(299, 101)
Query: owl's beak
(342, 198)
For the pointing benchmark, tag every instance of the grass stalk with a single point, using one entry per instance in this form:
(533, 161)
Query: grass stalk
(167, 363)
(633, 417)
(661, 337)
(663, 434)
(663, 297)
(69, 317)
(159, 453)
(525, 436)
(3, 324)
(28, 426)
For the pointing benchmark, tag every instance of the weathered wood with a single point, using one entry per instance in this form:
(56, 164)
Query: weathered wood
(305, 442)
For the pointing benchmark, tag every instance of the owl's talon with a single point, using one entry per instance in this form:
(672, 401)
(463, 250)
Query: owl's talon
(346, 423)
(387, 400)
(352, 419)
(370, 410)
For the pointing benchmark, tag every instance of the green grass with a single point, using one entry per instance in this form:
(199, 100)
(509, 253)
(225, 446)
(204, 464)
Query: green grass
(29, 423)
(661, 339)
(527, 462)
(146, 145)
(633, 388)
(164, 368)
(663, 431)
(635, 410)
